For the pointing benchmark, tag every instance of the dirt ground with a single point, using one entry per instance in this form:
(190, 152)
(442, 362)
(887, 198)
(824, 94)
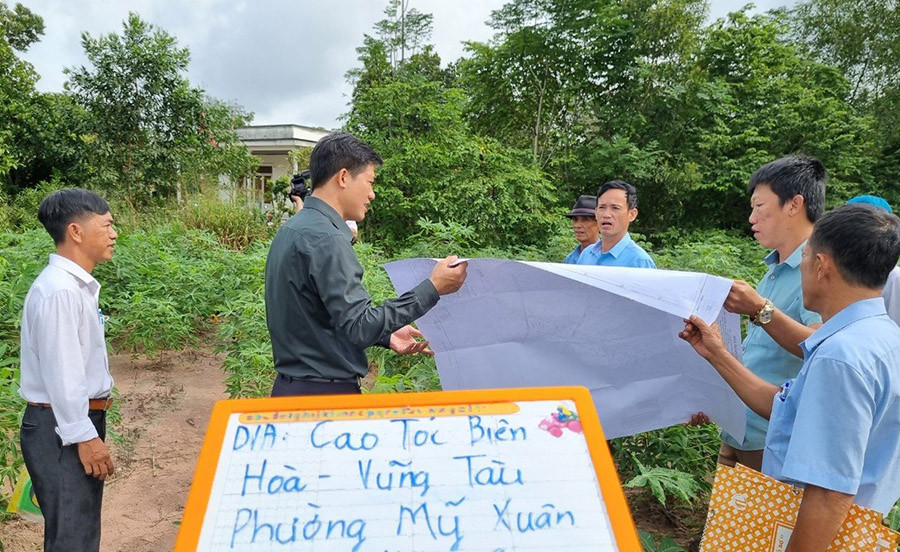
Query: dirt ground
(165, 406)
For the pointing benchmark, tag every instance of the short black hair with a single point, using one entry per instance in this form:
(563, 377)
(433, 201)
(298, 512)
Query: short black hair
(863, 240)
(630, 191)
(795, 175)
(340, 150)
(61, 207)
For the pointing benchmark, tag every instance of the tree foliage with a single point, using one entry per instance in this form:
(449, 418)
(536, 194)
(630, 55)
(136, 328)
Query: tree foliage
(403, 31)
(435, 167)
(20, 106)
(150, 131)
(862, 40)
(645, 91)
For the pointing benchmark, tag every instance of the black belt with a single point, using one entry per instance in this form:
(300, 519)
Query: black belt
(312, 379)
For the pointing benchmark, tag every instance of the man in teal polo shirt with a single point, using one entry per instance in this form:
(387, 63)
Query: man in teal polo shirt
(834, 429)
(787, 197)
(616, 210)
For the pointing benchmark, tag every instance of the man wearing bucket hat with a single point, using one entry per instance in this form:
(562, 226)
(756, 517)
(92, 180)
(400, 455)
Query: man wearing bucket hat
(586, 230)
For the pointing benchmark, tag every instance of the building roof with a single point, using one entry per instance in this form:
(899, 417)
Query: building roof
(272, 138)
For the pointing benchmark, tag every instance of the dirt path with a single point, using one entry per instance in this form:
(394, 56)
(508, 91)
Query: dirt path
(165, 407)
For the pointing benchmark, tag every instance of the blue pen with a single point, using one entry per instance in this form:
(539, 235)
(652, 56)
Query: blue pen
(785, 389)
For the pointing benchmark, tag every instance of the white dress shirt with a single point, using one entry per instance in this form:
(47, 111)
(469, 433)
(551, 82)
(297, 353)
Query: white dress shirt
(891, 294)
(64, 360)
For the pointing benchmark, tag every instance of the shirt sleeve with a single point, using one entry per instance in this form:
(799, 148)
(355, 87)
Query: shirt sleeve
(337, 275)
(831, 429)
(61, 361)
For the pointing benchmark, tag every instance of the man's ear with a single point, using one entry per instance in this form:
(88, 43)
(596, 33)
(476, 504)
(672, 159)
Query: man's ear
(632, 214)
(74, 232)
(825, 267)
(342, 176)
(797, 205)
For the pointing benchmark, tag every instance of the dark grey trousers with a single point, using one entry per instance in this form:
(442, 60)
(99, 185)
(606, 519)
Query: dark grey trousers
(69, 499)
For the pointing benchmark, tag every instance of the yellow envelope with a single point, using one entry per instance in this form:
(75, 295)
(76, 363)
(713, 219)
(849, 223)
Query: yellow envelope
(751, 512)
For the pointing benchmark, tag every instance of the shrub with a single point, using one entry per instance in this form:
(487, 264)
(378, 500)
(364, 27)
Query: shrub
(235, 225)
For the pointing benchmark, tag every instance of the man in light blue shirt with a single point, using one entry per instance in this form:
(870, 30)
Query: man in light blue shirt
(835, 429)
(584, 226)
(787, 197)
(616, 210)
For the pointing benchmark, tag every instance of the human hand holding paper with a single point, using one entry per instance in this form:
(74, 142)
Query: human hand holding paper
(705, 339)
(449, 274)
(743, 299)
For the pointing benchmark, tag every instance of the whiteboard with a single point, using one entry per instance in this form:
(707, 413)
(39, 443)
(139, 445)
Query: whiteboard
(483, 470)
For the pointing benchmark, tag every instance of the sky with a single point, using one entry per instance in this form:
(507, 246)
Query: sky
(283, 60)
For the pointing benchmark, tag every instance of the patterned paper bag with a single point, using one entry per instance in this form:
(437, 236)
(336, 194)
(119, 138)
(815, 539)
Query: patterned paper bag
(750, 512)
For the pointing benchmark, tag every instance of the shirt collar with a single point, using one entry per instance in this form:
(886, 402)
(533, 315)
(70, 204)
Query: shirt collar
(850, 314)
(317, 204)
(618, 248)
(72, 268)
(793, 259)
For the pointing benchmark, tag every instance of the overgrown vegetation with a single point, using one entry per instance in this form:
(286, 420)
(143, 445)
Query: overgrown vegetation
(482, 156)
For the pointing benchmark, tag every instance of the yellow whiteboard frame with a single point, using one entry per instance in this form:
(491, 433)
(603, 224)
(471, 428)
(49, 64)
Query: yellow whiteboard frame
(604, 468)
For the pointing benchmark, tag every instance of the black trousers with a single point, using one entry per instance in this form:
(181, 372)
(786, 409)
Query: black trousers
(286, 386)
(69, 499)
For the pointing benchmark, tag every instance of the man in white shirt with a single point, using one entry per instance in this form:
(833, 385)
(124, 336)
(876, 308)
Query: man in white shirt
(65, 373)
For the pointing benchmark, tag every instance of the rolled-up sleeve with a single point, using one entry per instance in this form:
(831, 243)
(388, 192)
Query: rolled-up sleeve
(337, 276)
(62, 365)
(831, 429)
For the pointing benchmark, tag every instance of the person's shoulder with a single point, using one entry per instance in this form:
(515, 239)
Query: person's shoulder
(864, 345)
(640, 254)
(54, 279)
(310, 226)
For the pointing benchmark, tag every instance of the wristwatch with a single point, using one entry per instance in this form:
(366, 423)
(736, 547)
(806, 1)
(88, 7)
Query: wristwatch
(764, 315)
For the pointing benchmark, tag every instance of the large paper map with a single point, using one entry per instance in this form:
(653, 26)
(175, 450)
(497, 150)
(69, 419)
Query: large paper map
(612, 330)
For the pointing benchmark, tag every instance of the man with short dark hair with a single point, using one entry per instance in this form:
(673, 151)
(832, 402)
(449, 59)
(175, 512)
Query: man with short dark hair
(65, 372)
(320, 317)
(786, 197)
(835, 428)
(587, 233)
(616, 210)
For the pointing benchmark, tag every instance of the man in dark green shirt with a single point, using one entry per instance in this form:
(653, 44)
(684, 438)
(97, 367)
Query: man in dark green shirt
(320, 317)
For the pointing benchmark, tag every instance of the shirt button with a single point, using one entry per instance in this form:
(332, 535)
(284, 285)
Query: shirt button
(772, 277)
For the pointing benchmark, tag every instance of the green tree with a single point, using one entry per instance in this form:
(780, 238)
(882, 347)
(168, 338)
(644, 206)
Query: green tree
(403, 31)
(641, 90)
(436, 168)
(151, 132)
(862, 39)
(586, 86)
(762, 98)
(19, 103)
